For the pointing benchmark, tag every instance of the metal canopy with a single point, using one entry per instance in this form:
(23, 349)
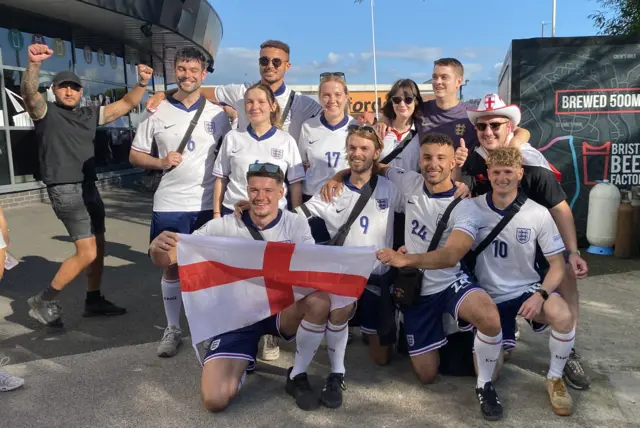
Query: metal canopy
(100, 24)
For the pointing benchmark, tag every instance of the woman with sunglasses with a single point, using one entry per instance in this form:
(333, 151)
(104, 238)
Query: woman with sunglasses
(404, 109)
(260, 142)
(322, 141)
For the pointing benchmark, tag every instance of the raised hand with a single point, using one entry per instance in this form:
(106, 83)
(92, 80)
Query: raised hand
(38, 53)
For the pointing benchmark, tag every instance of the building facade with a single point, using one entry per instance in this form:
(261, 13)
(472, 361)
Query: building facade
(102, 41)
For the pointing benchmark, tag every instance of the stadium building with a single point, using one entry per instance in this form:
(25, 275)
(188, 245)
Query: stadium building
(102, 41)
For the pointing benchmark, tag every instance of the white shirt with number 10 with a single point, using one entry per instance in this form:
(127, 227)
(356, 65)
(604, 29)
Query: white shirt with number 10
(243, 148)
(515, 246)
(423, 210)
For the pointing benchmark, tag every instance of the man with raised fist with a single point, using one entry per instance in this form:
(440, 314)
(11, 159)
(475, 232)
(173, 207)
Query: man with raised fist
(65, 132)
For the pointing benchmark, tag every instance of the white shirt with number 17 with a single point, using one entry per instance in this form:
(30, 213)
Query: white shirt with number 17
(243, 148)
(322, 145)
(188, 187)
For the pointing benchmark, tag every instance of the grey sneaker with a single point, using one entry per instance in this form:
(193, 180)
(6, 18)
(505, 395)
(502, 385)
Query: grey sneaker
(45, 311)
(170, 342)
(270, 348)
(574, 374)
(8, 382)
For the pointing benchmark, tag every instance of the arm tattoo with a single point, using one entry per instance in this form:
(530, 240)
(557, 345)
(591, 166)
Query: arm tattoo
(35, 104)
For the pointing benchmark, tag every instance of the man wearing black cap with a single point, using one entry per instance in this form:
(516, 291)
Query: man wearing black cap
(65, 134)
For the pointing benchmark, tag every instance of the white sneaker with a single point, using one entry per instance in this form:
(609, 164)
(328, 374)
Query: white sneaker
(8, 382)
(170, 342)
(270, 348)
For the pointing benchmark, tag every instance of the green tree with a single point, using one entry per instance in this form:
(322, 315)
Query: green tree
(617, 17)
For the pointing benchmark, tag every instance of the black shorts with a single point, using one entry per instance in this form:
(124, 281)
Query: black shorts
(79, 207)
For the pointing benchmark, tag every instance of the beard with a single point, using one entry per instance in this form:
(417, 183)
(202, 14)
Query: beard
(364, 167)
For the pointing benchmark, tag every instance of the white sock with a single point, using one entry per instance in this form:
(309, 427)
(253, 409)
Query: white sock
(337, 336)
(560, 345)
(487, 351)
(242, 379)
(308, 338)
(172, 298)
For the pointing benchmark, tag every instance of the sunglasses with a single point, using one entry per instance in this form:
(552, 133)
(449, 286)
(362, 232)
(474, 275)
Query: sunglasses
(265, 60)
(407, 100)
(494, 126)
(332, 73)
(269, 168)
(365, 128)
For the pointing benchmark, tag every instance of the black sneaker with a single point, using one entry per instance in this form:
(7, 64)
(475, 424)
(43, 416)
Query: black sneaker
(300, 389)
(574, 374)
(490, 405)
(331, 395)
(101, 307)
(46, 311)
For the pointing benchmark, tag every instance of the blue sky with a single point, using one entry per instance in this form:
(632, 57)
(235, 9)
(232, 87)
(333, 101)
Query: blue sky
(335, 35)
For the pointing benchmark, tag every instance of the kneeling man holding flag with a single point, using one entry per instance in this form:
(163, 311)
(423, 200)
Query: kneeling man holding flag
(236, 290)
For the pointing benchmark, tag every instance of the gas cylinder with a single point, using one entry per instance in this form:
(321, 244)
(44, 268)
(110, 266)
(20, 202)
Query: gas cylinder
(635, 203)
(624, 227)
(604, 200)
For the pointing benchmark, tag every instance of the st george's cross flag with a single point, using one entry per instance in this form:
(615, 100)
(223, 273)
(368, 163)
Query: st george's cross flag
(230, 283)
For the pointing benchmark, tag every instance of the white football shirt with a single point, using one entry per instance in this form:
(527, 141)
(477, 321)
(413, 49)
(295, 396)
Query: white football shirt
(286, 227)
(302, 109)
(323, 147)
(188, 187)
(515, 246)
(242, 148)
(423, 210)
(373, 227)
(409, 158)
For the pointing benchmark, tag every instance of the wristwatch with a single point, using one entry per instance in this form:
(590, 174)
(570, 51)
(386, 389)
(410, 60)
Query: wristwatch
(543, 293)
(576, 252)
(143, 85)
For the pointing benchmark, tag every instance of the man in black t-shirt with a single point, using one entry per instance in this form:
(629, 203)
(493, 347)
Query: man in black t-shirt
(65, 134)
(494, 122)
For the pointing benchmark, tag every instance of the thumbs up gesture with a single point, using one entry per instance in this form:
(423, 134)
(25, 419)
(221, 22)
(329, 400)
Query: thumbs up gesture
(461, 154)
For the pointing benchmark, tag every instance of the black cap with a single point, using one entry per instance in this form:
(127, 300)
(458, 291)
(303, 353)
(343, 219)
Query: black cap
(66, 76)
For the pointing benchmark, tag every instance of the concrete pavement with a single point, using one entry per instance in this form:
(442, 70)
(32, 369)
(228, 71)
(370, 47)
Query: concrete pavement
(103, 372)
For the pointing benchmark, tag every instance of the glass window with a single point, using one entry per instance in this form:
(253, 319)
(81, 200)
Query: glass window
(24, 149)
(14, 46)
(96, 93)
(15, 105)
(96, 64)
(4, 160)
(112, 149)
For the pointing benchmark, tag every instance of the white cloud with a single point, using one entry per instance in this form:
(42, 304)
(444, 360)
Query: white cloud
(412, 53)
(468, 52)
(498, 65)
(334, 58)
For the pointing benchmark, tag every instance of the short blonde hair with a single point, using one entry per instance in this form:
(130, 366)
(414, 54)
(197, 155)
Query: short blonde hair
(505, 156)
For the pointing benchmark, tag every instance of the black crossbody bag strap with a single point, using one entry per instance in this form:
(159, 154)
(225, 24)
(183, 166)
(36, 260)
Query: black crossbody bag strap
(287, 108)
(339, 238)
(192, 126)
(255, 233)
(513, 210)
(403, 144)
(442, 225)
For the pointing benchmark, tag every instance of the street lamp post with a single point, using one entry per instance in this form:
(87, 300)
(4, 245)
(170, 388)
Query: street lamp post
(466, 82)
(543, 24)
(553, 18)
(375, 74)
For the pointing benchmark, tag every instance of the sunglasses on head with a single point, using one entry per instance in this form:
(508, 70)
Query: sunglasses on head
(332, 73)
(365, 128)
(407, 100)
(265, 60)
(264, 167)
(494, 126)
